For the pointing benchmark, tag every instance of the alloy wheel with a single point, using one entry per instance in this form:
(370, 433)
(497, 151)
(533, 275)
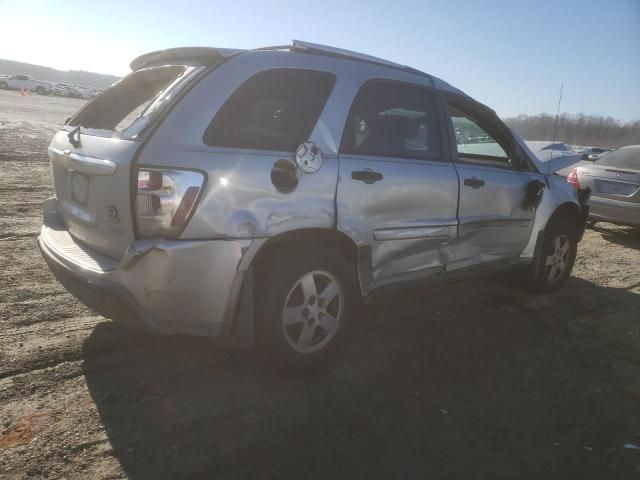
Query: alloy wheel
(557, 261)
(313, 311)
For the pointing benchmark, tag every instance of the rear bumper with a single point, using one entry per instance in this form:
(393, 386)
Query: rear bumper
(614, 211)
(167, 287)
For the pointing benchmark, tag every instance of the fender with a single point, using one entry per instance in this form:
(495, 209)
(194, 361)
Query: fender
(557, 194)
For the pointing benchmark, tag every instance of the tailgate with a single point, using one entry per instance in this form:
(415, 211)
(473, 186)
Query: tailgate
(92, 158)
(92, 186)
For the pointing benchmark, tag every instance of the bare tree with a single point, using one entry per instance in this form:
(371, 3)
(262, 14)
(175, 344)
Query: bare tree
(578, 129)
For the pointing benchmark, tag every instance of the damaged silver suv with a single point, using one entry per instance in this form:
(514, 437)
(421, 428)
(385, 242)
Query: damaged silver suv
(257, 197)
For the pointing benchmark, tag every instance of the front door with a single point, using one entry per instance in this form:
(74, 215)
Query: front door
(495, 219)
(398, 192)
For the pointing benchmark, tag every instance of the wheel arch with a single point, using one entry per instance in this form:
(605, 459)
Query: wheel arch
(568, 211)
(240, 320)
(308, 238)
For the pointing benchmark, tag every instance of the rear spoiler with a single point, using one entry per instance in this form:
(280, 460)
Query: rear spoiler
(199, 55)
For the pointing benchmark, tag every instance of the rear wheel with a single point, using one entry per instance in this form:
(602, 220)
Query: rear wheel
(40, 90)
(4, 86)
(556, 258)
(305, 302)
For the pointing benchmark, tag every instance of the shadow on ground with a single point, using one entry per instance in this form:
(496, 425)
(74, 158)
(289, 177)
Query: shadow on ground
(474, 380)
(625, 236)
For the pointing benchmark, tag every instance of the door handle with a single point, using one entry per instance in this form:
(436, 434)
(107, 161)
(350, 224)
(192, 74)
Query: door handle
(367, 176)
(474, 182)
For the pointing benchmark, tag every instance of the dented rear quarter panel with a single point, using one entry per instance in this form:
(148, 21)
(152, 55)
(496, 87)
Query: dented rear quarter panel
(240, 200)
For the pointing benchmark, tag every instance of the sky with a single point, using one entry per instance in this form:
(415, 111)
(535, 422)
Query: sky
(512, 55)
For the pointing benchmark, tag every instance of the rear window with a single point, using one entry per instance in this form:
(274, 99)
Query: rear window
(273, 110)
(623, 158)
(128, 100)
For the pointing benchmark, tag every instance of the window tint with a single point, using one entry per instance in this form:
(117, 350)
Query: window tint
(393, 120)
(628, 157)
(473, 141)
(273, 110)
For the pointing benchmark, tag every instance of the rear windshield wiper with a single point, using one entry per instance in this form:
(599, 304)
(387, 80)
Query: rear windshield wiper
(72, 136)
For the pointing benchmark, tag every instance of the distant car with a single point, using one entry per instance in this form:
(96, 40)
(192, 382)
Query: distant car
(614, 180)
(590, 154)
(67, 90)
(76, 91)
(556, 155)
(20, 82)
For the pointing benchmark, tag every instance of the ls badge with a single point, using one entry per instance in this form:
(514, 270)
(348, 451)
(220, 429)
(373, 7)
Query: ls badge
(112, 212)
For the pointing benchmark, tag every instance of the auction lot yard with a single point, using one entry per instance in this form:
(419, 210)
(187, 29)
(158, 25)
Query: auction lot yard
(470, 380)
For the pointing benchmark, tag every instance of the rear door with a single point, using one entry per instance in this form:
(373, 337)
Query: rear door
(91, 157)
(398, 191)
(495, 220)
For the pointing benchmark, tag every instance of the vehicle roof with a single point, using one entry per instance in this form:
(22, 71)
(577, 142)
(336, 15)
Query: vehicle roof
(211, 55)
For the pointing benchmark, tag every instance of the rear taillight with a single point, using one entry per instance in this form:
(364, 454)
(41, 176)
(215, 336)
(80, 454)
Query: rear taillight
(572, 179)
(165, 200)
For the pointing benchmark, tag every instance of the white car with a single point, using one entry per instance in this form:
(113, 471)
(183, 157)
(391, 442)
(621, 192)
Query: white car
(20, 82)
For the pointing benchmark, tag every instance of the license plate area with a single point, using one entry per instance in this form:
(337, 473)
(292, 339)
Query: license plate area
(80, 188)
(616, 188)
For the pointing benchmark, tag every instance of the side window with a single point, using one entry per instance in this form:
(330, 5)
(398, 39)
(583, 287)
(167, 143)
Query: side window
(393, 120)
(474, 140)
(273, 110)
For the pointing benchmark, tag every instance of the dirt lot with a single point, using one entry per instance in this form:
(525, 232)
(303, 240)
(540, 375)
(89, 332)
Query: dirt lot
(472, 380)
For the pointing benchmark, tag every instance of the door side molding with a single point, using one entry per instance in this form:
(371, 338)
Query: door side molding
(406, 233)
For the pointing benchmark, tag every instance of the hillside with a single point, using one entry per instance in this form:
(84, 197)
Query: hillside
(76, 77)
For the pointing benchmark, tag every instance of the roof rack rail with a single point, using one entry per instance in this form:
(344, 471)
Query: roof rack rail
(302, 46)
(209, 55)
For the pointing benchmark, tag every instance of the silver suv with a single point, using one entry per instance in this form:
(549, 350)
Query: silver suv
(258, 196)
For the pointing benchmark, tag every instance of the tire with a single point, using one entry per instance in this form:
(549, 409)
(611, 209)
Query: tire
(305, 301)
(553, 266)
(40, 90)
(4, 86)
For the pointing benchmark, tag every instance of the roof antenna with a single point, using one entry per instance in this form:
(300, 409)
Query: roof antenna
(555, 130)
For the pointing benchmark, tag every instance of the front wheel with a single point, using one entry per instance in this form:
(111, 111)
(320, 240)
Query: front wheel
(305, 301)
(4, 86)
(40, 90)
(552, 267)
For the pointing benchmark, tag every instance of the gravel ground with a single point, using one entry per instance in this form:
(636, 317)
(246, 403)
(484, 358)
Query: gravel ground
(471, 380)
